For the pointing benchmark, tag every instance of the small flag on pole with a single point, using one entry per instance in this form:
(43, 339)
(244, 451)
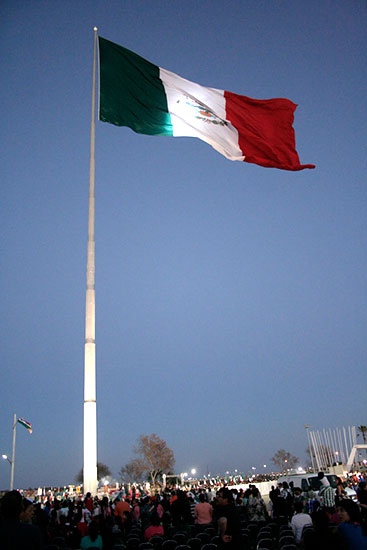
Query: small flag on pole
(26, 424)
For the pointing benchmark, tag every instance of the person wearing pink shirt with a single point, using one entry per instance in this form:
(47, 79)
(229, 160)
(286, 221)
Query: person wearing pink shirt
(203, 512)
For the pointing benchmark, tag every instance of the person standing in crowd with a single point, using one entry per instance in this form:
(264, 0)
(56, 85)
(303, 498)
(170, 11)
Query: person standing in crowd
(274, 494)
(121, 507)
(299, 520)
(93, 539)
(229, 524)
(89, 502)
(256, 507)
(203, 512)
(14, 534)
(180, 509)
(26, 514)
(362, 498)
(326, 494)
(299, 497)
(340, 492)
(352, 529)
(287, 493)
(155, 528)
(135, 511)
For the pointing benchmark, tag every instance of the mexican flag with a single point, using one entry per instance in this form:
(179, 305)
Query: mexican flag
(150, 100)
(26, 424)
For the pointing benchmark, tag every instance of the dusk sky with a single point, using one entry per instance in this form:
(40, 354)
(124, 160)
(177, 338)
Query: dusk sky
(230, 299)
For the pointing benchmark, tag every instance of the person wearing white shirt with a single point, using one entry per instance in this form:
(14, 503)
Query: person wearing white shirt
(299, 520)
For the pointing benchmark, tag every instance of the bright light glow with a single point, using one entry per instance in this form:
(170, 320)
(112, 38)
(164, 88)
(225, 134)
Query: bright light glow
(300, 469)
(264, 465)
(193, 471)
(4, 456)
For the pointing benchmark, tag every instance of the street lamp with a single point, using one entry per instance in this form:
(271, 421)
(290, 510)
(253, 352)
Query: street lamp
(11, 462)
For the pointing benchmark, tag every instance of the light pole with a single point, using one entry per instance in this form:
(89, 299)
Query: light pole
(5, 457)
(309, 446)
(12, 461)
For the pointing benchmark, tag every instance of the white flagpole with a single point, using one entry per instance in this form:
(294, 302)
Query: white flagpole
(90, 406)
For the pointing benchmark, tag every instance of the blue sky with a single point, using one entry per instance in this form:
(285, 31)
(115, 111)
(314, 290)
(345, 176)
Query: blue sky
(230, 298)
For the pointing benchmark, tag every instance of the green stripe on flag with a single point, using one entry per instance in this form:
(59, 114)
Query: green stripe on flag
(131, 92)
(26, 424)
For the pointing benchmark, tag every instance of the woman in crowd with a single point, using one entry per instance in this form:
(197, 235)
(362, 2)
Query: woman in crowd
(203, 512)
(26, 514)
(256, 508)
(352, 531)
(93, 539)
(340, 492)
(136, 511)
(155, 529)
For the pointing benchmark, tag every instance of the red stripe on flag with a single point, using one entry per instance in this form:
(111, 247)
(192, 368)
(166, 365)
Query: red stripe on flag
(266, 134)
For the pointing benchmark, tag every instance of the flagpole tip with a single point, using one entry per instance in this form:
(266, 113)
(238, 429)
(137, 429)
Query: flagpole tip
(95, 29)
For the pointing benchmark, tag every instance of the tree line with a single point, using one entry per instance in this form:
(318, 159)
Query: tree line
(153, 458)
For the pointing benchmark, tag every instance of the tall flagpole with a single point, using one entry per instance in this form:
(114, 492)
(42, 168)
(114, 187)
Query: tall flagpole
(90, 408)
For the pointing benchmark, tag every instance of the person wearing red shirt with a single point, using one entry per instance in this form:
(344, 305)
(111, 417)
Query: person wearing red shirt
(155, 529)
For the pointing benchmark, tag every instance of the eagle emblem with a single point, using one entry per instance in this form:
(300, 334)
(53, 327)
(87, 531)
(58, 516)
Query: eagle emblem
(202, 112)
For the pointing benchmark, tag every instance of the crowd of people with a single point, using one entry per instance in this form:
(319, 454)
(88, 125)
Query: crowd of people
(226, 518)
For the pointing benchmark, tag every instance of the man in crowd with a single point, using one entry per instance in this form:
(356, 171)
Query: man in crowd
(15, 535)
(228, 521)
(326, 494)
(121, 507)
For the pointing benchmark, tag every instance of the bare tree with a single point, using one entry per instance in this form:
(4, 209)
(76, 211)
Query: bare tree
(133, 471)
(284, 460)
(156, 455)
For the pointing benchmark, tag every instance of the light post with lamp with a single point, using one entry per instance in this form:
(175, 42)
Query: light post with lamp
(12, 461)
(5, 457)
